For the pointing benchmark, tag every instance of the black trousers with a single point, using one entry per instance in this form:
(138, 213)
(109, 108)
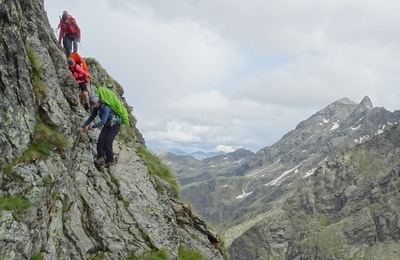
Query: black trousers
(70, 41)
(105, 142)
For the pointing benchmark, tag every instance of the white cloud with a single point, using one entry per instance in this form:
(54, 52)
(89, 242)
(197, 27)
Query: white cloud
(226, 148)
(239, 74)
(201, 102)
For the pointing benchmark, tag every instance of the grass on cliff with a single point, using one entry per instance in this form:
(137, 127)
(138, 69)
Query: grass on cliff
(39, 88)
(153, 255)
(366, 164)
(127, 135)
(14, 203)
(189, 254)
(45, 140)
(156, 167)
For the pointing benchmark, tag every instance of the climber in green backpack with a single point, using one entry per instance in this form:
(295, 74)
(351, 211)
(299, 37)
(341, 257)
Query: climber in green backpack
(112, 114)
(108, 97)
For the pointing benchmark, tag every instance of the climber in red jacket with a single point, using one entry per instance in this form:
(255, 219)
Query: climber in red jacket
(80, 76)
(69, 32)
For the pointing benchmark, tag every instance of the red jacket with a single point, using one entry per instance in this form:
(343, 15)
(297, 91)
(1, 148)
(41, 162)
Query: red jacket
(78, 73)
(68, 27)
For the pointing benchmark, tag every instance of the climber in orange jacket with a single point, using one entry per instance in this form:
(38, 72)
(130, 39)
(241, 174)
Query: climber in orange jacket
(80, 75)
(69, 32)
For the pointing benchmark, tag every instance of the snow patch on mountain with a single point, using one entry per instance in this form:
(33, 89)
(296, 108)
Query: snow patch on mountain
(380, 131)
(254, 173)
(244, 195)
(335, 126)
(324, 160)
(274, 182)
(362, 138)
(309, 173)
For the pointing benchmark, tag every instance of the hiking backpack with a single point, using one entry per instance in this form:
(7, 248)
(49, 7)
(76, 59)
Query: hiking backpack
(108, 97)
(81, 62)
(70, 27)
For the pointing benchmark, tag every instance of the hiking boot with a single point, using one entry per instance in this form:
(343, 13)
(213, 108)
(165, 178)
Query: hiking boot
(86, 107)
(108, 164)
(100, 161)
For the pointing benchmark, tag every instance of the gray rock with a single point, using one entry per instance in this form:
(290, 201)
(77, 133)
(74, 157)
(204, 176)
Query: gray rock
(75, 211)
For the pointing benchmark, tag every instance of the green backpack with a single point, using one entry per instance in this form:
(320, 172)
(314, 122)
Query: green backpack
(108, 97)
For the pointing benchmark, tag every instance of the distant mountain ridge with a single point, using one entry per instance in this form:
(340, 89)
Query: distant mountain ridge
(199, 155)
(235, 194)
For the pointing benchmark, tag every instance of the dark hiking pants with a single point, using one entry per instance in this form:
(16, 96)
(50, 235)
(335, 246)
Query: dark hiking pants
(68, 42)
(105, 142)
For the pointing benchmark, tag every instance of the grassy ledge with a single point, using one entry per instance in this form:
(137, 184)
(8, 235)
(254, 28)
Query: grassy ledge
(156, 167)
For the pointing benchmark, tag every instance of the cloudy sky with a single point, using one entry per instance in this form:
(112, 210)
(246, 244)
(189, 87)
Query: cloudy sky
(222, 74)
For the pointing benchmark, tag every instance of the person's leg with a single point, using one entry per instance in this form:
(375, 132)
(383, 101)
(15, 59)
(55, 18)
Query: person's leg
(75, 43)
(84, 95)
(67, 42)
(101, 142)
(112, 133)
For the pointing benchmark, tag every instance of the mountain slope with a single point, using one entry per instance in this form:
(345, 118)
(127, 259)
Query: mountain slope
(236, 197)
(54, 204)
(349, 209)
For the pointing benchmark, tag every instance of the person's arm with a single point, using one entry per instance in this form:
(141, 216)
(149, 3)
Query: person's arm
(61, 33)
(78, 30)
(80, 70)
(104, 116)
(79, 33)
(91, 118)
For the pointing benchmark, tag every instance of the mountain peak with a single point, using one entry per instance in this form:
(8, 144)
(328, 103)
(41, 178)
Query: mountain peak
(345, 101)
(366, 103)
(364, 106)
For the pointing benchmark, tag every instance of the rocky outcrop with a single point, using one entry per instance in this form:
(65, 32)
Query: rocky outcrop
(54, 204)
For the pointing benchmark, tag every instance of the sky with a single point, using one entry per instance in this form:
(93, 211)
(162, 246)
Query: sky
(218, 75)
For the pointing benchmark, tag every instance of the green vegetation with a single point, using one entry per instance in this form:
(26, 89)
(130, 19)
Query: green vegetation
(188, 254)
(153, 255)
(222, 247)
(92, 62)
(8, 169)
(109, 82)
(115, 181)
(37, 257)
(156, 167)
(45, 140)
(145, 236)
(39, 88)
(47, 181)
(331, 242)
(65, 204)
(98, 257)
(56, 195)
(126, 203)
(324, 221)
(14, 203)
(127, 135)
(366, 164)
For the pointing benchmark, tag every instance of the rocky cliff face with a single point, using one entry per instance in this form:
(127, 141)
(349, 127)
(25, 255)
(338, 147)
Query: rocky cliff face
(54, 204)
